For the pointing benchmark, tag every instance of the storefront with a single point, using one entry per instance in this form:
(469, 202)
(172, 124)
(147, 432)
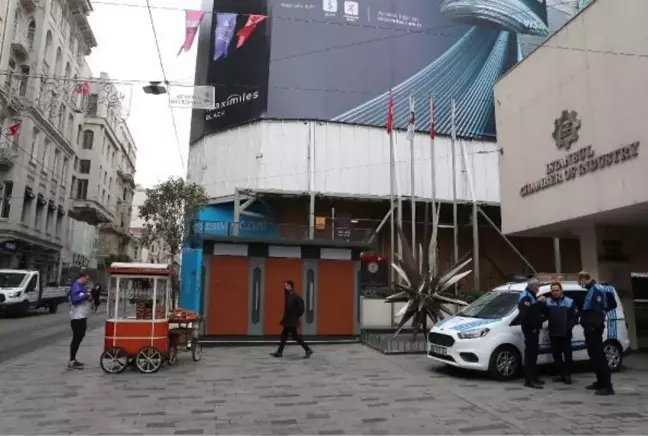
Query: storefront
(571, 120)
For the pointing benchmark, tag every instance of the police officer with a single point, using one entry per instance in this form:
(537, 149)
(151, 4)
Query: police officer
(562, 314)
(592, 319)
(531, 309)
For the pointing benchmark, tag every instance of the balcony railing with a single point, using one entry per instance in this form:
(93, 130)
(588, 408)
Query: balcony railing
(23, 43)
(201, 229)
(8, 151)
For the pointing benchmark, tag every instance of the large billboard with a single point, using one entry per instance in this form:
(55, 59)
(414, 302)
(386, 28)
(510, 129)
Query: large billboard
(337, 60)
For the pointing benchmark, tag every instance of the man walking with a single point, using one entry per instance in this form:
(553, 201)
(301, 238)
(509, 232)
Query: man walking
(593, 322)
(293, 310)
(79, 311)
(530, 309)
(563, 315)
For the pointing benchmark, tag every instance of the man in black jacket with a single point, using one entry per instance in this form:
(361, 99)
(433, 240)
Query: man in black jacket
(293, 310)
(531, 309)
(563, 316)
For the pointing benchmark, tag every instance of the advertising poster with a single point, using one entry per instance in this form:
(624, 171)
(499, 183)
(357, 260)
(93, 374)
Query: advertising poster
(239, 59)
(336, 60)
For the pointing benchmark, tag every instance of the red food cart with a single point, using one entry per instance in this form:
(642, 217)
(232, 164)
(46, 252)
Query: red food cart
(137, 327)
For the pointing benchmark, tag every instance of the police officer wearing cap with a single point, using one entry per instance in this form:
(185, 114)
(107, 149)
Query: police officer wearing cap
(531, 309)
(592, 319)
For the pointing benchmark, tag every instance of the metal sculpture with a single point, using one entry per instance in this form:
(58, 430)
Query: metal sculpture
(423, 286)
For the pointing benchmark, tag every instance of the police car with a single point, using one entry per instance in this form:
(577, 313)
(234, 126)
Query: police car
(486, 335)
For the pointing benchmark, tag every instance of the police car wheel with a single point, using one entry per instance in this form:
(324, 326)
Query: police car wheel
(505, 363)
(614, 355)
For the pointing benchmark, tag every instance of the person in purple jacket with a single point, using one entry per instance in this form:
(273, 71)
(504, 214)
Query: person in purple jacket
(79, 311)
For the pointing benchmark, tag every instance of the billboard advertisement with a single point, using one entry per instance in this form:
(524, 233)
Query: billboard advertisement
(237, 68)
(337, 60)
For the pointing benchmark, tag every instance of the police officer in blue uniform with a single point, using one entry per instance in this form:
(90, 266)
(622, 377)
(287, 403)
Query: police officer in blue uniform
(531, 309)
(562, 314)
(592, 318)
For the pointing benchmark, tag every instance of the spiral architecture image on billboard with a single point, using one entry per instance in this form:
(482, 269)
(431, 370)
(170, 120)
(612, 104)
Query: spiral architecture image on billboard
(337, 60)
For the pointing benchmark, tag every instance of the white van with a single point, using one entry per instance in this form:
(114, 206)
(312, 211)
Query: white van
(486, 335)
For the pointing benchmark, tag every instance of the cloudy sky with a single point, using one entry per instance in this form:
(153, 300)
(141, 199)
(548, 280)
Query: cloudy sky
(127, 52)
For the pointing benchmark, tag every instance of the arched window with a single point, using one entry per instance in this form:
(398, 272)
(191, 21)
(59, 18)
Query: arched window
(61, 118)
(59, 62)
(88, 139)
(68, 70)
(31, 34)
(48, 47)
(78, 140)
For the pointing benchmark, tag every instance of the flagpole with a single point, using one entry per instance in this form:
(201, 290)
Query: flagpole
(455, 228)
(412, 177)
(399, 200)
(433, 170)
(392, 175)
(475, 217)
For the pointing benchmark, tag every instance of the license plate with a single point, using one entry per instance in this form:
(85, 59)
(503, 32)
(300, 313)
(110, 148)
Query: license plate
(438, 349)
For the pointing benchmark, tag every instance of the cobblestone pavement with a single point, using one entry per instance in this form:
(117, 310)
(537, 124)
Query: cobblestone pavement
(342, 389)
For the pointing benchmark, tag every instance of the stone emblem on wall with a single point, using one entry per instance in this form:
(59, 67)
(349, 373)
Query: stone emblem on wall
(566, 129)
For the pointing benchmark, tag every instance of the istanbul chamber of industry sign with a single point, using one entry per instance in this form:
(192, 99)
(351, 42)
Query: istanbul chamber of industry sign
(580, 162)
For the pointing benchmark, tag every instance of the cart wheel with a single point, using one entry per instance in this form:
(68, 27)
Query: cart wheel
(148, 360)
(114, 361)
(196, 351)
(173, 355)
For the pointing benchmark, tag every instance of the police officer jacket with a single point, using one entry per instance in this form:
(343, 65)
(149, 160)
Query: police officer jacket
(562, 314)
(530, 311)
(593, 313)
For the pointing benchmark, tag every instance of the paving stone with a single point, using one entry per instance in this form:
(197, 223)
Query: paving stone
(343, 389)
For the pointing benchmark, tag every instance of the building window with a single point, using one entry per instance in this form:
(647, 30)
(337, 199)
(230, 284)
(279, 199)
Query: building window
(82, 189)
(31, 33)
(34, 144)
(48, 50)
(88, 139)
(5, 207)
(24, 80)
(57, 160)
(26, 210)
(59, 225)
(64, 170)
(84, 166)
(45, 153)
(58, 63)
(92, 104)
(48, 220)
(39, 214)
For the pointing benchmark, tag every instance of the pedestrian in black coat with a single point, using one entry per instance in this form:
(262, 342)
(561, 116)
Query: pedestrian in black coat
(293, 310)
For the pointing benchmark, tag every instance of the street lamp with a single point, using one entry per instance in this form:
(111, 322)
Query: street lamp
(155, 88)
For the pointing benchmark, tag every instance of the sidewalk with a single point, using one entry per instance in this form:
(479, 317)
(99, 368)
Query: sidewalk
(342, 389)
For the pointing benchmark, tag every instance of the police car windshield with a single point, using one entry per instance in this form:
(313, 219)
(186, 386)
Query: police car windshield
(491, 305)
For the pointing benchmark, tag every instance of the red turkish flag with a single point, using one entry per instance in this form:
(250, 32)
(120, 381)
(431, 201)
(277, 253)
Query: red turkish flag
(14, 129)
(249, 27)
(390, 114)
(83, 88)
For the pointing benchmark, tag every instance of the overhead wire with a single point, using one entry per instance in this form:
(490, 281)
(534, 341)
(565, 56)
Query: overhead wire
(166, 82)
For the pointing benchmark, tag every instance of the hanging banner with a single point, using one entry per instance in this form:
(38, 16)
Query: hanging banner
(192, 21)
(192, 97)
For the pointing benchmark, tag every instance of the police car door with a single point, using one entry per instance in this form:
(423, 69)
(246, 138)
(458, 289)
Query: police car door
(544, 354)
(578, 336)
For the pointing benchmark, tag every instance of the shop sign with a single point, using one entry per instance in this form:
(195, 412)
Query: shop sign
(578, 163)
(320, 222)
(10, 246)
(80, 260)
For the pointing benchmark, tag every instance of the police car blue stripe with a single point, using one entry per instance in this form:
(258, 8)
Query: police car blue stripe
(474, 324)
